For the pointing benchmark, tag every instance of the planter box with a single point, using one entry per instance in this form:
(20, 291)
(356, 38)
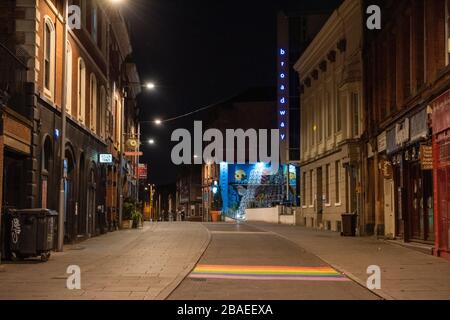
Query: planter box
(127, 224)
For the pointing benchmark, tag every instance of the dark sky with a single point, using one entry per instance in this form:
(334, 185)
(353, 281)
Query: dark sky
(198, 52)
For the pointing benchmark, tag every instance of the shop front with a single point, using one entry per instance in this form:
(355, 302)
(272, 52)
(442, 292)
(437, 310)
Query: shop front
(441, 166)
(409, 150)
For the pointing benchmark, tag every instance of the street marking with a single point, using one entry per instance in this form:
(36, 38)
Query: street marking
(267, 273)
(240, 232)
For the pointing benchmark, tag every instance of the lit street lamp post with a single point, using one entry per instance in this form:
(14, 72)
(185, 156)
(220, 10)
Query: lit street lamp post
(148, 86)
(62, 195)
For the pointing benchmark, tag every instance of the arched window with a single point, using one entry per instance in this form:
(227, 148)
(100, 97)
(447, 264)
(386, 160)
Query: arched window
(102, 112)
(93, 103)
(69, 79)
(81, 90)
(49, 58)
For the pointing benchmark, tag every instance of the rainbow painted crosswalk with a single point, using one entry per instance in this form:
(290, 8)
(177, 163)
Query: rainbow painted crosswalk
(267, 273)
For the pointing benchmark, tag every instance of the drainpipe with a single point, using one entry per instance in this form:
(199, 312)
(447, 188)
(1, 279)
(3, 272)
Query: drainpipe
(62, 195)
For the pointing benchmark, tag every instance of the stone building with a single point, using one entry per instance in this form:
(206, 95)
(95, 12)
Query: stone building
(330, 72)
(99, 84)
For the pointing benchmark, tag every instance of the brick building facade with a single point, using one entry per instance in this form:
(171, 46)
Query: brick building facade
(101, 81)
(406, 68)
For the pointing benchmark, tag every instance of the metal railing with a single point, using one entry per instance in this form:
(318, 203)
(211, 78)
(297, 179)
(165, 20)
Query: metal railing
(13, 73)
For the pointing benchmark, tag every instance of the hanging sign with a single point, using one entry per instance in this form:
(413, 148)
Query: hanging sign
(426, 157)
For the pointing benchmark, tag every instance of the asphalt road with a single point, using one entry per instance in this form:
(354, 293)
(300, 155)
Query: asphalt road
(245, 263)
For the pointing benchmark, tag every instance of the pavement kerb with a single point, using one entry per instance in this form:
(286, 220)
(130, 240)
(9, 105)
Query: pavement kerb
(380, 293)
(167, 291)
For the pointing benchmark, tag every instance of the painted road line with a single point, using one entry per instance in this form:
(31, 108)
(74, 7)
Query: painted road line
(267, 273)
(241, 232)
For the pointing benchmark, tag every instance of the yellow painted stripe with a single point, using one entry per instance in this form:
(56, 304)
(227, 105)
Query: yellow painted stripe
(264, 269)
(267, 273)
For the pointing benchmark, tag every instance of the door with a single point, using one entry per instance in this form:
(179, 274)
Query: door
(389, 212)
(416, 213)
(90, 223)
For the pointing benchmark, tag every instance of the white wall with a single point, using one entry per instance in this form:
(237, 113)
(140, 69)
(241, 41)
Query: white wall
(269, 215)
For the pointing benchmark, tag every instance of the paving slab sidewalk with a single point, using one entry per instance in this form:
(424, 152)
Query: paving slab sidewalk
(146, 264)
(406, 274)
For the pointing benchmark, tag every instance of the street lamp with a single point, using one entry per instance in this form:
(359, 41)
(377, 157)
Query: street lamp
(151, 142)
(148, 86)
(158, 122)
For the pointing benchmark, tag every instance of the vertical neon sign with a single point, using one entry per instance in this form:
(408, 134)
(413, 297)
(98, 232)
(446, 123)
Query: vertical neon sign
(283, 96)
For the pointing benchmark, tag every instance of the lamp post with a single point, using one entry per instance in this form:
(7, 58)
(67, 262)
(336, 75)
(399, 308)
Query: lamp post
(62, 195)
(148, 86)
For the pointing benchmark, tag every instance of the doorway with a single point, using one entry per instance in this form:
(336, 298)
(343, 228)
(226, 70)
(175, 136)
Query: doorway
(91, 205)
(69, 201)
(421, 218)
(13, 181)
(389, 208)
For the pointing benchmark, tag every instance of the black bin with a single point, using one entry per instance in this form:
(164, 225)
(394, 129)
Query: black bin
(349, 225)
(32, 233)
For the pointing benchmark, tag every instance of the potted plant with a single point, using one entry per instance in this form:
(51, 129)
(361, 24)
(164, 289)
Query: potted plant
(216, 205)
(127, 218)
(137, 219)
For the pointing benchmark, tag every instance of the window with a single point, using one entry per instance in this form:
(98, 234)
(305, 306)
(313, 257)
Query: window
(311, 203)
(81, 90)
(447, 30)
(49, 57)
(69, 79)
(94, 23)
(406, 59)
(341, 102)
(93, 103)
(355, 114)
(117, 126)
(83, 5)
(337, 179)
(304, 189)
(319, 122)
(327, 184)
(102, 112)
(330, 115)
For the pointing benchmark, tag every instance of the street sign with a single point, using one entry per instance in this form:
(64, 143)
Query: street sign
(142, 172)
(106, 158)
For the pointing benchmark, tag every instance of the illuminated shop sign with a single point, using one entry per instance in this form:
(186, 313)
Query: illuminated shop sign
(106, 158)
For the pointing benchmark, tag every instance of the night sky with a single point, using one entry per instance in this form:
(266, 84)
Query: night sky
(198, 52)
